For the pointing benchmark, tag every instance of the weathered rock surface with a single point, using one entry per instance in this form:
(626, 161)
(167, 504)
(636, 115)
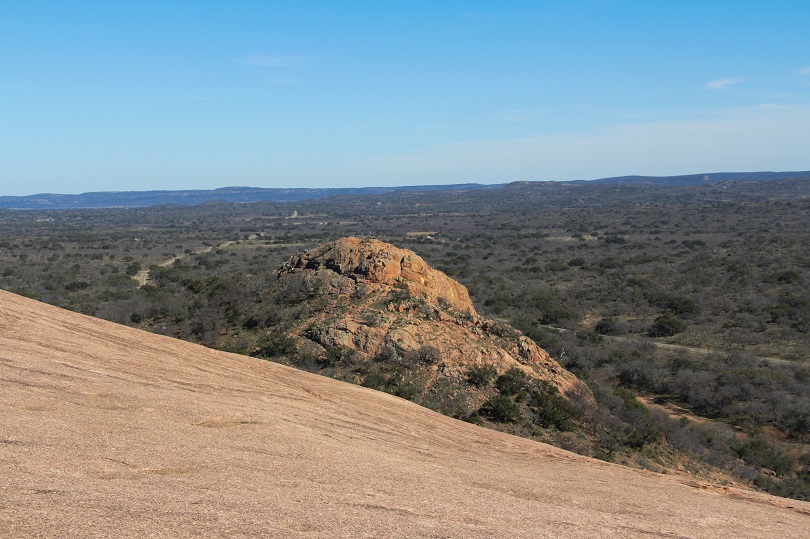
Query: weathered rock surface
(373, 296)
(107, 431)
(376, 263)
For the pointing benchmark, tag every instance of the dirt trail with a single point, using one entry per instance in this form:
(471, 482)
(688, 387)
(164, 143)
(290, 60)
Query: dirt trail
(110, 431)
(705, 352)
(691, 350)
(143, 275)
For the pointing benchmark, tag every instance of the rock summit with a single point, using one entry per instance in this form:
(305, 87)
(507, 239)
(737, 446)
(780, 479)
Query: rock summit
(373, 298)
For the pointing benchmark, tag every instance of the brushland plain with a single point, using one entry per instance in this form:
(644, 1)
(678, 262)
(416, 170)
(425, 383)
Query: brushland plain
(684, 308)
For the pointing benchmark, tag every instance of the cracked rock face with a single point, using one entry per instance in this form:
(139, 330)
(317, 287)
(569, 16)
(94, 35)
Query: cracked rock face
(371, 296)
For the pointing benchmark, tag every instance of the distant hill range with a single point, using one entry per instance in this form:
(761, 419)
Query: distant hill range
(140, 199)
(702, 179)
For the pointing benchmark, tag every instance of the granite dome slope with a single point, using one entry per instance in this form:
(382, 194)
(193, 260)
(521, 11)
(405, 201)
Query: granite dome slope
(107, 431)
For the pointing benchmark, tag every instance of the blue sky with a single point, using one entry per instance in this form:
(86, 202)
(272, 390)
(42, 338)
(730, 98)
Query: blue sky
(103, 95)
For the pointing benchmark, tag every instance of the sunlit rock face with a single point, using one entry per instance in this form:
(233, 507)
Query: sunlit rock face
(369, 296)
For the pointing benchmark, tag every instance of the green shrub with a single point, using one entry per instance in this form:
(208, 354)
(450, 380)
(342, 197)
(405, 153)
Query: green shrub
(375, 380)
(339, 355)
(588, 336)
(387, 354)
(666, 325)
(550, 409)
(608, 326)
(761, 454)
(481, 376)
(678, 305)
(274, 344)
(428, 355)
(615, 238)
(502, 409)
(447, 397)
(407, 390)
(512, 382)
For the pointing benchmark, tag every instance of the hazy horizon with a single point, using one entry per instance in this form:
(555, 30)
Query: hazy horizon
(111, 97)
(399, 186)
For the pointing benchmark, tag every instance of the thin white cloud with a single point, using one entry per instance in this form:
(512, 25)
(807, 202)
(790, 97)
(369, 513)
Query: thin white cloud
(721, 85)
(803, 71)
(274, 59)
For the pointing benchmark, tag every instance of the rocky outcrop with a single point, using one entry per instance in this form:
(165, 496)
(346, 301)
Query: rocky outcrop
(373, 262)
(373, 298)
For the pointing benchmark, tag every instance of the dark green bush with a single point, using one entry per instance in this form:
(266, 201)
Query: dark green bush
(762, 454)
(608, 326)
(274, 344)
(428, 355)
(375, 380)
(481, 376)
(588, 336)
(666, 325)
(339, 355)
(550, 409)
(512, 382)
(448, 397)
(677, 305)
(502, 409)
(615, 239)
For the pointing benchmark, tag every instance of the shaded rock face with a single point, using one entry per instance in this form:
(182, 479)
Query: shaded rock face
(373, 299)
